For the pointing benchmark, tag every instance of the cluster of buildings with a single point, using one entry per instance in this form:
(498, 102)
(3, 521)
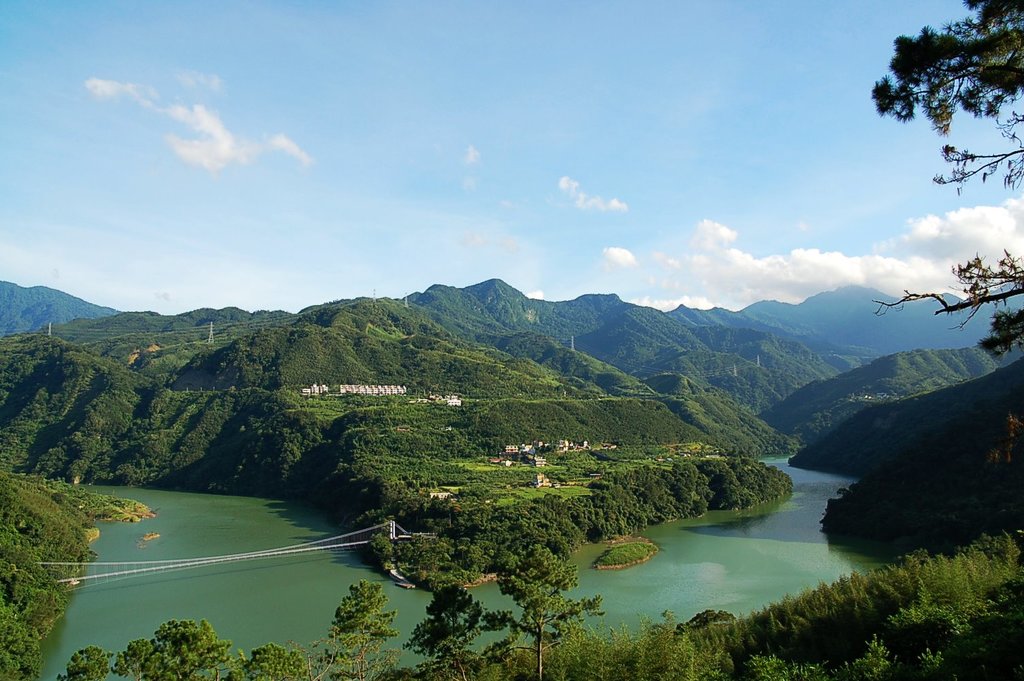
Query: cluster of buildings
(316, 390)
(868, 397)
(450, 400)
(358, 389)
(532, 453)
(379, 391)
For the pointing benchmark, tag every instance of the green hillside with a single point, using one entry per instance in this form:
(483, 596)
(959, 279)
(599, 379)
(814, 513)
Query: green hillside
(377, 342)
(929, 474)
(717, 414)
(755, 367)
(28, 309)
(821, 406)
(572, 365)
(69, 413)
(62, 407)
(157, 344)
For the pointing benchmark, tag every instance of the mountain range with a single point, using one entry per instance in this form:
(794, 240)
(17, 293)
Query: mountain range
(177, 399)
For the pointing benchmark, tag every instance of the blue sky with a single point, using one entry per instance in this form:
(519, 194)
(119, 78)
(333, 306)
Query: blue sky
(170, 156)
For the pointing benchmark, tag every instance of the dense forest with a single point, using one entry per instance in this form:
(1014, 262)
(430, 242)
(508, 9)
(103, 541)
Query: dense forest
(479, 537)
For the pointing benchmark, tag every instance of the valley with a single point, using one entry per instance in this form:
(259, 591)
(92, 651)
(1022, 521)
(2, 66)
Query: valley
(736, 561)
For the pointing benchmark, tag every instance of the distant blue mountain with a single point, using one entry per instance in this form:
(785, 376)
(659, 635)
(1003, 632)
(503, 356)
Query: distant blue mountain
(847, 323)
(27, 309)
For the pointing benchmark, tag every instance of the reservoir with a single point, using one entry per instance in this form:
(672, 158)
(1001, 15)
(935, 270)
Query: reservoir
(736, 561)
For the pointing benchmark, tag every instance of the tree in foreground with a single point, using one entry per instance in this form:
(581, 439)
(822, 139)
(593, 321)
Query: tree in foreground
(272, 662)
(537, 582)
(179, 650)
(88, 664)
(187, 650)
(454, 621)
(361, 628)
(976, 66)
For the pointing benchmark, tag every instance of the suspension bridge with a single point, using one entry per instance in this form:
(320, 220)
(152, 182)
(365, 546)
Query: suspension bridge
(83, 574)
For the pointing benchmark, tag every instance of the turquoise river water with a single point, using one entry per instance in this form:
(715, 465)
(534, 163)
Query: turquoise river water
(735, 561)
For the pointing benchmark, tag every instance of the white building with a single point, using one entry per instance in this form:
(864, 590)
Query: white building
(362, 389)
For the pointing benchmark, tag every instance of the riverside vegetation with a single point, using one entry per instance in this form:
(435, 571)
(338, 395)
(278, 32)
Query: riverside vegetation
(941, 617)
(42, 520)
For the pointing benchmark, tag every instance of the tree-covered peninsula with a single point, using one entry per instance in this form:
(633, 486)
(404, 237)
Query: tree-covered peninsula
(41, 520)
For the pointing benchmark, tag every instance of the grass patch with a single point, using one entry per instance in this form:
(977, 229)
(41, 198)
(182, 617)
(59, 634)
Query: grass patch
(519, 494)
(626, 554)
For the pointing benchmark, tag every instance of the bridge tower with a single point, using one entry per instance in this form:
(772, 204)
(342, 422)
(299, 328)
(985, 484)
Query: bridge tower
(391, 527)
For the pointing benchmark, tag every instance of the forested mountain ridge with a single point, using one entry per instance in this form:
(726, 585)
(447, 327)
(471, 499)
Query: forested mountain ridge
(939, 469)
(754, 367)
(816, 408)
(547, 352)
(366, 341)
(65, 411)
(715, 377)
(156, 344)
(27, 309)
(266, 349)
(714, 411)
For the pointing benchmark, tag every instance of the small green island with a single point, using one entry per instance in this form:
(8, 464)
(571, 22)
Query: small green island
(625, 553)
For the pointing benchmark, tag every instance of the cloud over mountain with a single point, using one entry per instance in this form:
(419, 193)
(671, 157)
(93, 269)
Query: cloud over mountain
(715, 267)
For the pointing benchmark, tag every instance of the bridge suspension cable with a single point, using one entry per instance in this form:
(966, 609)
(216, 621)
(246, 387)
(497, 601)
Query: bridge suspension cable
(121, 569)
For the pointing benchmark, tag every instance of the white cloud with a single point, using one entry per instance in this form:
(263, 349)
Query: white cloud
(668, 304)
(215, 147)
(616, 257)
(112, 89)
(472, 156)
(584, 201)
(469, 183)
(191, 79)
(284, 143)
(919, 260)
(963, 233)
(710, 235)
(535, 295)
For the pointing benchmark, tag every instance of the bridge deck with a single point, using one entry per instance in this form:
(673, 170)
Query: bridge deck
(101, 570)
